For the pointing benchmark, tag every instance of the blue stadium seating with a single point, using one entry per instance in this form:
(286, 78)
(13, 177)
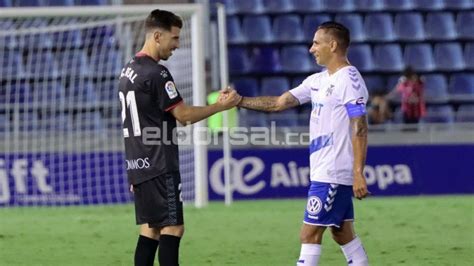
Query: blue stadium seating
(288, 28)
(41, 65)
(248, 6)
(251, 118)
(88, 121)
(18, 93)
(398, 4)
(275, 86)
(469, 55)
(419, 56)
(308, 6)
(297, 81)
(257, 29)
(36, 3)
(52, 93)
(436, 88)
(82, 93)
(448, 56)
(73, 63)
(57, 122)
(67, 39)
(239, 62)
(439, 114)
(375, 83)
(339, 5)
(287, 118)
(265, 59)
(379, 27)
(92, 2)
(370, 5)
(355, 25)
(234, 30)
(34, 40)
(409, 26)
(461, 86)
(459, 4)
(440, 26)
(28, 121)
(59, 2)
(392, 81)
(103, 35)
(464, 23)
(106, 62)
(229, 6)
(5, 3)
(7, 41)
(465, 113)
(4, 123)
(246, 87)
(278, 6)
(361, 57)
(295, 59)
(428, 4)
(388, 57)
(106, 91)
(311, 23)
(13, 59)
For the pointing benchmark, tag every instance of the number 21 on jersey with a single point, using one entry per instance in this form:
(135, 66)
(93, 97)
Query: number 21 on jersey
(129, 102)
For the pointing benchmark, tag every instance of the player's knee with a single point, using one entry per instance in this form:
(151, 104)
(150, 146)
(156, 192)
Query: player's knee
(311, 234)
(174, 230)
(341, 237)
(149, 232)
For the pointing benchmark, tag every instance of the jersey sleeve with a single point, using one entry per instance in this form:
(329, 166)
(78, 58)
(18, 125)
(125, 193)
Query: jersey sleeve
(167, 96)
(355, 95)
(302, 92)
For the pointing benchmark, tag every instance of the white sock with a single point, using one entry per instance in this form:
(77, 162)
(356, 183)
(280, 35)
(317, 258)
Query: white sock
(355, 253)
(309, 255)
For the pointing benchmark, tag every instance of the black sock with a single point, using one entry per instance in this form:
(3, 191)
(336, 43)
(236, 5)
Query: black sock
(168, 254)
(146, 250)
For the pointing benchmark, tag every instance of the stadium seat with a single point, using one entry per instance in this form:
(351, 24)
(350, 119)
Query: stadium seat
(106, 62)
(88, 121)
(5, 3)
(308, 6)
(436, 88)
(18, 93)
(278, 6)
(311, 23)
(49, 92)
(67, 39)
(14, 62)
(448, 56)
(82, 93)
(465, 113)
(96, 36)
(398, 4)
(36, 3)
(265, 59)
(463, 20)
(41, 64)
(355, 25)
(57, 122)
(59, 2)
(375, 83)
(461, 86)
(361, 57)
(288, 28)
(27, 121)
(295, 59)
(34, 40)
(92, 2)
(297, 81)
(428, 4)
(379, 27)
(238, 60)
(409, 26)
(339, 5)
(246, 87)
(4, 123)
(257, 29)
(250, 118)
(8, 41)
(440, 26)
(388, 57)
(275, 86)
(248, 6)
(370, 5)
(469, 55)
(419, 56)
(459, 4)
(229, 6)
(287, 118)
(73, 63)
(106, 91)
(438, 114)
(234, 30)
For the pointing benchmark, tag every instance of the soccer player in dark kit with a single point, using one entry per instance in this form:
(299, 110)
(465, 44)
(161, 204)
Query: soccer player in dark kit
(150, 99)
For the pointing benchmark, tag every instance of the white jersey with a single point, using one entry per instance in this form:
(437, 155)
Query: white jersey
(334, 98)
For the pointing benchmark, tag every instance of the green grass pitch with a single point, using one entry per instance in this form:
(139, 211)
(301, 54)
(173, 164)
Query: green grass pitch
(395, 231)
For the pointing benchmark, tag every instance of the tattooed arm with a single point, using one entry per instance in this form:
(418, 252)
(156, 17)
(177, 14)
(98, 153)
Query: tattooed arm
(269, 103)
(359, 143)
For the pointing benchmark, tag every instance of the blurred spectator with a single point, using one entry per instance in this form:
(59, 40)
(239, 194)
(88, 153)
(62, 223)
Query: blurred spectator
(378, 109)
(411, 88)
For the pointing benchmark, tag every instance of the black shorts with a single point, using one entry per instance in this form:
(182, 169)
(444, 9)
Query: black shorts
(158, 201)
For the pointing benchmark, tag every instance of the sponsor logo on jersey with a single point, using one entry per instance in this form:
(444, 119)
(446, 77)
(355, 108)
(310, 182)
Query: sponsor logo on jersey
(360, 101)
(164, 73)
(314, 205)
(137, 164)
(171, 89)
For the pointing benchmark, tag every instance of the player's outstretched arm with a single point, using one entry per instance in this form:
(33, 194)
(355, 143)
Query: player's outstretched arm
(187, 114)
(269, 103)
(359, 143)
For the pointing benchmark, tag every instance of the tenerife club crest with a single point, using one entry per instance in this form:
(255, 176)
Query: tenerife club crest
(314, 205)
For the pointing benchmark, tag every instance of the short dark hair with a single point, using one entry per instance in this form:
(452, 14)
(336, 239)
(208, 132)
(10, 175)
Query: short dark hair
(338, 31)
(162, 19)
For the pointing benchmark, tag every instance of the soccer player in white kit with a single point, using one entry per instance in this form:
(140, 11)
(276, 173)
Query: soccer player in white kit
(338, 134)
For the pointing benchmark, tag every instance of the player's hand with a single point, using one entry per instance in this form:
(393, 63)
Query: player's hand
(228, 98)
(360, 187)
(131, 189)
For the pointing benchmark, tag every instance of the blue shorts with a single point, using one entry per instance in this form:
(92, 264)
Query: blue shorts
(329, 204)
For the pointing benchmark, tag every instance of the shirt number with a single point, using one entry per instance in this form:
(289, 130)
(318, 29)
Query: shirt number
(130, 102)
